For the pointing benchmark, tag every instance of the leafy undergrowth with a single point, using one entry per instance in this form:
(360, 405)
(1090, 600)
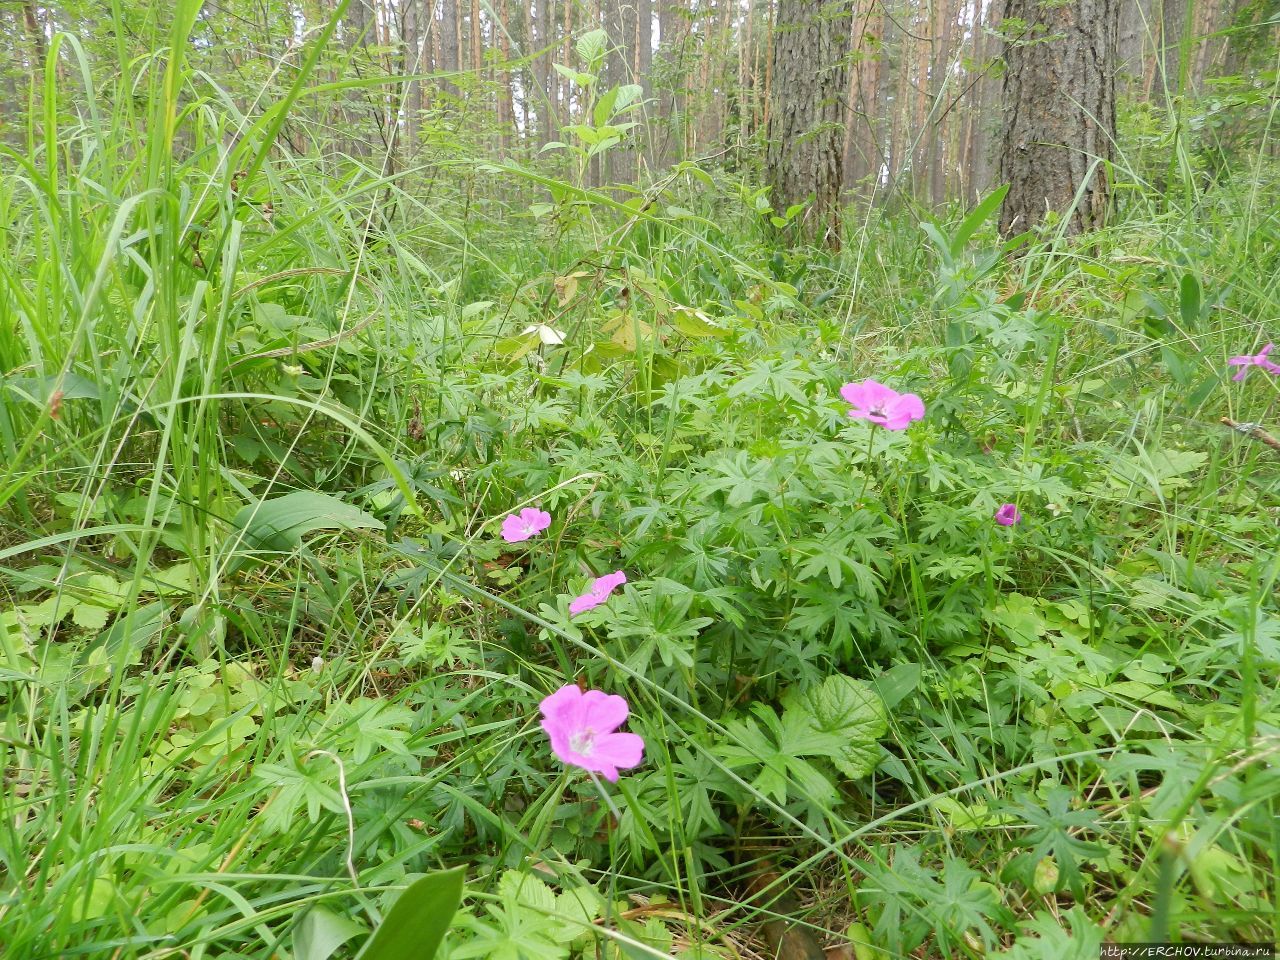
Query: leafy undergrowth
(265, 656)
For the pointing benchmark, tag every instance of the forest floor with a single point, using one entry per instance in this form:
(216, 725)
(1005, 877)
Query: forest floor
(991, 672)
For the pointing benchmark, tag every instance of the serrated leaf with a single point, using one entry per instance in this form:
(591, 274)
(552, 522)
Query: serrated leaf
(90, 617)
(591, 45)
(853, 713)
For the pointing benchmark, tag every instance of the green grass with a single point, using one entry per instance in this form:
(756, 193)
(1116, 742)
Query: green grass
(210, 725)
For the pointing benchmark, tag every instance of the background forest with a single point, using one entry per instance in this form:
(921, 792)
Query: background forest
(876, 395)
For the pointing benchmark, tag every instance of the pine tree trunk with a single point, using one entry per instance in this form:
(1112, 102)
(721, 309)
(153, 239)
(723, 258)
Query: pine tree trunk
(806, 123)
(1136, 28)
(449, 43)
(1059, 112)
(1173, 17)
(415, 59)
(502, 77)
(861, 151)
(620, 25)
(542, 97)
(939, 129)
(643, 64)
(357, 34)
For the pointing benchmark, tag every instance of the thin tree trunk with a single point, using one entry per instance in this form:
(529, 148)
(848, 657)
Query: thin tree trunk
(620, 25)
(860, 151)
(502, 77)
(1173, 20)
(449, 44)
(940, 128)
(1136, 28)
(566, 91)
(643, 63)
(542, 97)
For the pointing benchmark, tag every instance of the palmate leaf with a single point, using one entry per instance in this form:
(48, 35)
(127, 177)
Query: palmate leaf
(840, 720)
(1056, 832)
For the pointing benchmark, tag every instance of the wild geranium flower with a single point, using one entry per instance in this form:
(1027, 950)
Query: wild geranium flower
(883, 405)
(530, 521)
(1259, 359)
(601, 588)
(582, 727)
(1007, 515)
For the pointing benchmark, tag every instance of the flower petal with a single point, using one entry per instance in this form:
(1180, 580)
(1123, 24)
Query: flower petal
(585, 602)
(513, 530)
(603, 712)
(554, 705)
(618, 750)
(866, 394)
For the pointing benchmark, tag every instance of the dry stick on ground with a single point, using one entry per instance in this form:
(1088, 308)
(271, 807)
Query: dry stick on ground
(1253, 430)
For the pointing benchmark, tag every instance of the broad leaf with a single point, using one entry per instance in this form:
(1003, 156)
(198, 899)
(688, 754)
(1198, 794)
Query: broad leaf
(281, 523)
(321, 932)
(414, 927)
(854, 715)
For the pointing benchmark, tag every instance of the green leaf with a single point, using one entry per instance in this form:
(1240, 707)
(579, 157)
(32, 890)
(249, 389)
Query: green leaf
(321, 932)
(40, 390)
(896, 683)
(695, 323)
(852, 712)
(414, 927)
(1019, 618)
(604, 107)
(591, 45)
(281, 523)
(1189, 300)
(975, 219)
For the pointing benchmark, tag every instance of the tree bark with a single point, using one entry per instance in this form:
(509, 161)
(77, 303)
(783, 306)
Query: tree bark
(544, 24)
(1137, 26)
(1250, 22)
(806, 122)
(1173, 19)
(449, 43)
(502, 77)
(1059, 112)
(940, 153)
(861, 148)
(620, 23)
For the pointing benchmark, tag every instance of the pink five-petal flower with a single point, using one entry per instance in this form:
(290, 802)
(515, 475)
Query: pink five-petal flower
(582, 727)
(525, 524)
(1007, 515)
(601, 588)
(1259, 359)
(883, 405)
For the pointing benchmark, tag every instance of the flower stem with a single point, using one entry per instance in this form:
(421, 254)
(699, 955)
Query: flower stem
(866, 467)
(617, 814)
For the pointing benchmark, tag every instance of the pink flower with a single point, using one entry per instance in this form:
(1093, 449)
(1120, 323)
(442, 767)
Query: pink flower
(1007, 515)
(883, 405)
(601, 588)
(1259, 359)
(582, 730)
(523, 525)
